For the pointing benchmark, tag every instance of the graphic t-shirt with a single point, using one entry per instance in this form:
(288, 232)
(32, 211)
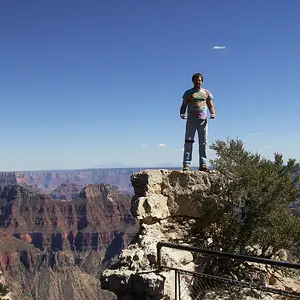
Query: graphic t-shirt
(196, 101)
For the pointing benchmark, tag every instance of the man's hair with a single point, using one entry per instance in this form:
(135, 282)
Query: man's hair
(197, 75)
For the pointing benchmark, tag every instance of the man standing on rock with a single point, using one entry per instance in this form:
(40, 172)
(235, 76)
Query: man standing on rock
(196, 100)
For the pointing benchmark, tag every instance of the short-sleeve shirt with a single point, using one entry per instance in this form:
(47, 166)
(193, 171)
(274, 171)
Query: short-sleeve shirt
(196, 101)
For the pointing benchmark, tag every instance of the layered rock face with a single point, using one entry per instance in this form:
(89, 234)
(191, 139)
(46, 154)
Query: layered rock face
(32, 274)
(56, 249)
(92, 220)
(166, 203)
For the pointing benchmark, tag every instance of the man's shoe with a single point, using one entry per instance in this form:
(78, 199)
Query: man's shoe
(203, 168)
(186, 168)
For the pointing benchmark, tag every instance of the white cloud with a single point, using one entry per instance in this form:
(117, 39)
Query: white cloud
(161, 145)
(218, 47)
(144, 146)
(255, 133)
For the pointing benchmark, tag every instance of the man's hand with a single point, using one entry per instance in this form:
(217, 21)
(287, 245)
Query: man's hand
(212, 116)
(183, 116)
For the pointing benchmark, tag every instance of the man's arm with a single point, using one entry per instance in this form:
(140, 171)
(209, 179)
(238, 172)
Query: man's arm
(211, 107)
(183, 107)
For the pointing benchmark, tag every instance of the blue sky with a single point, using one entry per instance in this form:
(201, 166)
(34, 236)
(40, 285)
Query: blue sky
(93, 83)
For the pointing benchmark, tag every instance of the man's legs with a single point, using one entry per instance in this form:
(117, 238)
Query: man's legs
(190, 130)
(202, 140)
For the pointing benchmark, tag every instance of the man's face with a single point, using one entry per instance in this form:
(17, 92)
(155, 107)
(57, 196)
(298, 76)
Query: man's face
(198, 81)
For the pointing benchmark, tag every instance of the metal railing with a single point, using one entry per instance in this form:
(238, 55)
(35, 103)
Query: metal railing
(222, 275)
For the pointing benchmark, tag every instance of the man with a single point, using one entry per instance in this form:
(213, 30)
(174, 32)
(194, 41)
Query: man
(196, 100)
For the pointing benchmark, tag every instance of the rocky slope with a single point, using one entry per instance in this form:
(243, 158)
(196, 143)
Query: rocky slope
(57, 249)
(4, 293)
(33, 274)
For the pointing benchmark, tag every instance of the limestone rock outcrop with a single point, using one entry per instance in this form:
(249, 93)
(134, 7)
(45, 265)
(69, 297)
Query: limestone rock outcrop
(166, 203)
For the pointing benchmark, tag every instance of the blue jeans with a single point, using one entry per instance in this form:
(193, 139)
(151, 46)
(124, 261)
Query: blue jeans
(191, 126)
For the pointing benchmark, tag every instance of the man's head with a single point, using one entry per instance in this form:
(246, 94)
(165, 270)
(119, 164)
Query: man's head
(197, 79)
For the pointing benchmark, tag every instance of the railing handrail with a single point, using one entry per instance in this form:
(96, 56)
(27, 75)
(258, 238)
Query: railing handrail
(256, 259)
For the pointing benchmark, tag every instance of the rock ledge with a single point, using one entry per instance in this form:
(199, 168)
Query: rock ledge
(166, 203)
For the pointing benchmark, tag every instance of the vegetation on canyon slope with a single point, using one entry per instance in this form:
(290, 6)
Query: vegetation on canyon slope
(256, 210)
(3, 290)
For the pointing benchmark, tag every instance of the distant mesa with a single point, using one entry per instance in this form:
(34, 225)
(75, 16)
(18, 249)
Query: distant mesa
(67, 191)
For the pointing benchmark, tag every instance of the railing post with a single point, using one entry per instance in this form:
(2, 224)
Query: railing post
(179, 290)
(176, 273)
(158, 247)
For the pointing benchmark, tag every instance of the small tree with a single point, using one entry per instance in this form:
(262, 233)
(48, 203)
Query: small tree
(3, 290)
(255, 207)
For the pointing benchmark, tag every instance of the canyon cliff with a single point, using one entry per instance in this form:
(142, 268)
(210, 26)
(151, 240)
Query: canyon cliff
(57, 249)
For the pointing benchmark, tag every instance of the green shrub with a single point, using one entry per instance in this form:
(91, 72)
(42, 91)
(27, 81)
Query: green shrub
(255, 207)
(3, 290)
